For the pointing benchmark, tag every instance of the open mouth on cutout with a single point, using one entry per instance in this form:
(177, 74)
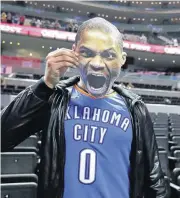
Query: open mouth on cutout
(96, 81)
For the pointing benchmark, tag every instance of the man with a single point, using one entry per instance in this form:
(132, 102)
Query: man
(98, 138)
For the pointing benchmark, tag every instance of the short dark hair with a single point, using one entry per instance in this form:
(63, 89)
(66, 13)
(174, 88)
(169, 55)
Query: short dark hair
(101, 24)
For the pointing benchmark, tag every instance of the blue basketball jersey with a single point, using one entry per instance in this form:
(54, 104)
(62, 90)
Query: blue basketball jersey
(98, 135)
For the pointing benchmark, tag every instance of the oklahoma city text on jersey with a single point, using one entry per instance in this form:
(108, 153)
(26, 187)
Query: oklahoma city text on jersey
(98, 115)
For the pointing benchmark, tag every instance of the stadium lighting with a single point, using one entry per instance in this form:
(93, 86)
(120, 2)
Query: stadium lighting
(43, 46)
(71, 9)
(106, 16)
(119, 17)
(10, 43)
(115, 17)
(44, 5)
(124, 17)
(173, 61)
(79, 11)
(30, 54)
(3, 41)
(62, 8)
(134, 19)
(139, 58)
(52, 6)
(18, 43)
(50, 47)
(48, 6)
(145, 59)
(87, 12)
(152, 60)
(143, 19)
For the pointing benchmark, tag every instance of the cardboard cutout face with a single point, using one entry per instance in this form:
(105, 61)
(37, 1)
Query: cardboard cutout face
(100, 59)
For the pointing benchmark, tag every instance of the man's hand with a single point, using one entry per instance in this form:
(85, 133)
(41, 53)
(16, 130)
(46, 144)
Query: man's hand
(57, 63)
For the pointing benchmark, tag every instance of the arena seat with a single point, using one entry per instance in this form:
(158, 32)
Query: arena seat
(176, 139)
(163, 156)
(31, 141)
(18, 162)
(19, 190)
(30, 144)
(160, 125)
(174, 148)
(161, 131)
(175, 124)
(175, 174)
(164, 115)
(177, 155)
(175, 131)
(10, 88)
(162, 142)
(178, 180)
(173, 116)
(19, 178)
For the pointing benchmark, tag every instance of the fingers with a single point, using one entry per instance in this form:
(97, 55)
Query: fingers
(64, 58)
(63, 52)
(66, 65)
(57, 63)
(62, 62)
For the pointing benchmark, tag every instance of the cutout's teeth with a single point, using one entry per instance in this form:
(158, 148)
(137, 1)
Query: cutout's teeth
(97, 74)
(96, 80)
(95, 89)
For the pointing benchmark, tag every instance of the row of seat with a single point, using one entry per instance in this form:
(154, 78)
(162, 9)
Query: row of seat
(18, 168)
(167, 131)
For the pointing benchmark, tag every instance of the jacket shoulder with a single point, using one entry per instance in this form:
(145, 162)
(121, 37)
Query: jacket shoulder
(125, 92)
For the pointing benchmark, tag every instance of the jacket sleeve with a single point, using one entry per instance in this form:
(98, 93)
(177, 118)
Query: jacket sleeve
(25, 115)
(156, 184)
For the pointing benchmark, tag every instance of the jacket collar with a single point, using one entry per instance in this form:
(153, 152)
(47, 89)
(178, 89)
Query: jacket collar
(68, 82)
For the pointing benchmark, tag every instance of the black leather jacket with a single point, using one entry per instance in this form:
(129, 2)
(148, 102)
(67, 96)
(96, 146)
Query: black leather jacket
(40, 108)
